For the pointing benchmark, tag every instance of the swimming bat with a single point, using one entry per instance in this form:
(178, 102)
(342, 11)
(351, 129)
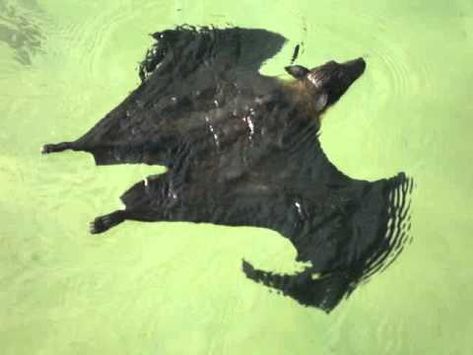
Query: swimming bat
(242, 149)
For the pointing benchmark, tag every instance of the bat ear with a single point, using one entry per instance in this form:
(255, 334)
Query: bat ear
(321, 102)
(297, 71)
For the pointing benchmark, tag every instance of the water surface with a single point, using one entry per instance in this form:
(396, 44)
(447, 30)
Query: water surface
(137, 290)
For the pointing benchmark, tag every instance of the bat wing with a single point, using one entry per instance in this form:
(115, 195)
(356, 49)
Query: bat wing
(186, 75)
(344, 246)
(347, 229)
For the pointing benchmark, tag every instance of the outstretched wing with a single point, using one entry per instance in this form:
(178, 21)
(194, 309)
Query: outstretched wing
(345, 247)
(345, 228)
(185, 49)
(186, 75)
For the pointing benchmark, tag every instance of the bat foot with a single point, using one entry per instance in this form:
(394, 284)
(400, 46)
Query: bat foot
(54, 148)
(103, 223)
(47, 148)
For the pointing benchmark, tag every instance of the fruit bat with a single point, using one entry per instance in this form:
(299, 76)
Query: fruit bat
(242, 149)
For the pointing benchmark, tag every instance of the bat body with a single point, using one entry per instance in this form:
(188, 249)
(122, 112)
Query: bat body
(242, 149)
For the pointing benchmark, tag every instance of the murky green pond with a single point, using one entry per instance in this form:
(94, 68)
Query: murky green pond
(137, 289)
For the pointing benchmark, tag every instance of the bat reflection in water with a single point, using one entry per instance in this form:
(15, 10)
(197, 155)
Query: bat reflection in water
(242, 149)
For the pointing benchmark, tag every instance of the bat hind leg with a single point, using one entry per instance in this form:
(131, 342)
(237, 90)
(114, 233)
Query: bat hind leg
(103, 223)
(58, 147)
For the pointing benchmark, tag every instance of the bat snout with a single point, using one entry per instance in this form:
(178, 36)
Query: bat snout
(334, 78)
(354, 68)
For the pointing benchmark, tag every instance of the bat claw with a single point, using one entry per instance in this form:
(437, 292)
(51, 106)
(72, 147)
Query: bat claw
(53, 148)
(97, 226)
(103, 223)
(47, 148)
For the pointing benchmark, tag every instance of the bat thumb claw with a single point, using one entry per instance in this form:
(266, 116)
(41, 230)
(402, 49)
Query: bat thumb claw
(247, 268)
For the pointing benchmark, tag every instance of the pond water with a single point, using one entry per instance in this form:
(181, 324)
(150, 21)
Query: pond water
(138, 289)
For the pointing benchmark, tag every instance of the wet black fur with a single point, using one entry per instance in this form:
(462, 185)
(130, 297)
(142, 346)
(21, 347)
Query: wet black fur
(241, 151)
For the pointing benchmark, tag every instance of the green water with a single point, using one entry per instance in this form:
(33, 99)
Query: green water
(138, 289)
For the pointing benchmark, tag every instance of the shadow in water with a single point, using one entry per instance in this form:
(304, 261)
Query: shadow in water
(19, 28)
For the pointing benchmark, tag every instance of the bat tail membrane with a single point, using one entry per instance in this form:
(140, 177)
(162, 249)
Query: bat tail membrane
(323, 291)
(118, 154)
(154, 187)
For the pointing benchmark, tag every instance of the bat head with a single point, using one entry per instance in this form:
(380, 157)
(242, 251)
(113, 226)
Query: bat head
(330, 80)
